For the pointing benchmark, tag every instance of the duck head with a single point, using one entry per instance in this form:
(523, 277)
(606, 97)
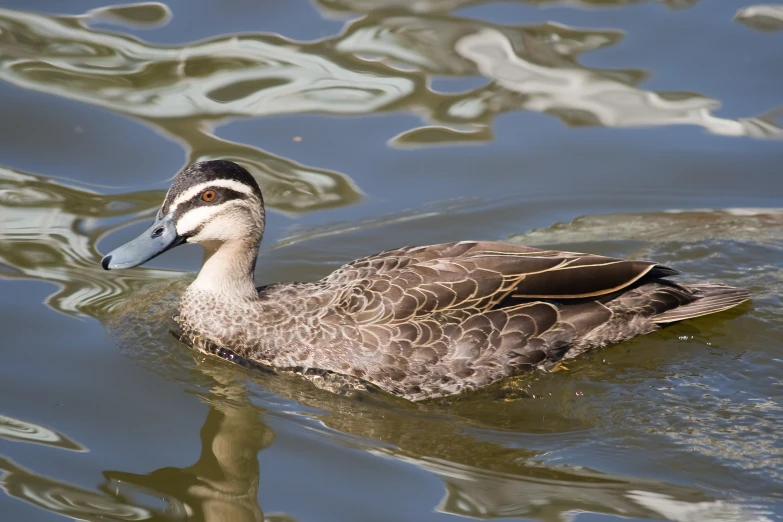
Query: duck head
(217, 204)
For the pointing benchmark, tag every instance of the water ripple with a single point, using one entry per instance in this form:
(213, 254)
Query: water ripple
(185, 92)
(434, 6)
(63, 498)
(49, 232)
(383, 61)
(22, 431)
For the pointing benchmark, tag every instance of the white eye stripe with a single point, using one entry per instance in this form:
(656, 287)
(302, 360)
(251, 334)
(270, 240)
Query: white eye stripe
(201, 187)
(193, 219)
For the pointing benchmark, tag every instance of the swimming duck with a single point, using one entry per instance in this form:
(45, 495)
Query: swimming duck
(417, 322)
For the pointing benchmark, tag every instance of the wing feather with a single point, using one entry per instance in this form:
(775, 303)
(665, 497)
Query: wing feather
(410, 282)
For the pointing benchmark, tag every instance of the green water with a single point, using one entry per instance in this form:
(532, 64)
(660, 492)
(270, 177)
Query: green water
(628, 128)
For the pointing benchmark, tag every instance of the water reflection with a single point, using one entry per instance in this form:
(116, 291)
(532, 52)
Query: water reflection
(767, 18)
(531, 68)
(185, 92)
(383, 61)
(223, 77)
(49, 232)
(222, 484)
(65, 499)
(759, 226)
(551, 495)
(581, 96)
(23, 431)
(432, 6)
(480, 479)
(145, 15)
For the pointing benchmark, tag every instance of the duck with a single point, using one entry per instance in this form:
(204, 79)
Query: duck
(418, 322)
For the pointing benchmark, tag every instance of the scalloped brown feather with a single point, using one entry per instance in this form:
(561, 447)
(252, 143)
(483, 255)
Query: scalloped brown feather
(431, 321)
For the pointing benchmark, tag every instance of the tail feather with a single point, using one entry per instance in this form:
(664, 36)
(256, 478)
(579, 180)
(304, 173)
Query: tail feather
(710, 298)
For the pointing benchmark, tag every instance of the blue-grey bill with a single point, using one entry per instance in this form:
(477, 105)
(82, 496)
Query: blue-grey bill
(161, 236)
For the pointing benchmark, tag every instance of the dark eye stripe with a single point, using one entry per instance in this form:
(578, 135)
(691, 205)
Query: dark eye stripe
(223, 195)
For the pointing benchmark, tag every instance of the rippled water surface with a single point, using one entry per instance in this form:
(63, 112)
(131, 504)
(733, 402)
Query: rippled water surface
(629, 128)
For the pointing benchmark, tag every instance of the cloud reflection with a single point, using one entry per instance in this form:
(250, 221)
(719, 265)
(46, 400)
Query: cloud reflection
(432, 6)
(184, 92)
(383, 61)
(63, 498)
(23, 431)
(49, 232)
(550, 494)
(582, 96)
(142, 15)
(766, 18)
(534, 68)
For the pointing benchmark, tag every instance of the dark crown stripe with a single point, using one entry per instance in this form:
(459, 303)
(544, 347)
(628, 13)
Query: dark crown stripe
(207, 171)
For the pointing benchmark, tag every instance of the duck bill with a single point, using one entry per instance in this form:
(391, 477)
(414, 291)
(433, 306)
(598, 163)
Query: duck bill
(161, 236)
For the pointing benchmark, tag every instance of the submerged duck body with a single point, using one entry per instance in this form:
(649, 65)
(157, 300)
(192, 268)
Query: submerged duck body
(417, 322)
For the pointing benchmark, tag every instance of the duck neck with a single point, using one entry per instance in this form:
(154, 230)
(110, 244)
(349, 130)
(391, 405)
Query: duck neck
(228, 268)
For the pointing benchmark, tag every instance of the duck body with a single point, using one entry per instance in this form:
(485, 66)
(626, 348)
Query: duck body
(426, 322)
(417, 322)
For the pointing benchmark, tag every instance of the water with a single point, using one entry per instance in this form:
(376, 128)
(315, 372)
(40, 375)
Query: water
(642, 129)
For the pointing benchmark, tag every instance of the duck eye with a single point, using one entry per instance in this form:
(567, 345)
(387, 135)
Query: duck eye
(209, 196)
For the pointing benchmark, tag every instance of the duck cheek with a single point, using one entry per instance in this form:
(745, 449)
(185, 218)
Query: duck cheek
(203, 235)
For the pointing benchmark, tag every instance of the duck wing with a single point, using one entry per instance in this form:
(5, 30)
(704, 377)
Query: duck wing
(475, 276)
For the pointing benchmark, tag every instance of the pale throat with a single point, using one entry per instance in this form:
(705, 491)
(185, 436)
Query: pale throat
(228, 268)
